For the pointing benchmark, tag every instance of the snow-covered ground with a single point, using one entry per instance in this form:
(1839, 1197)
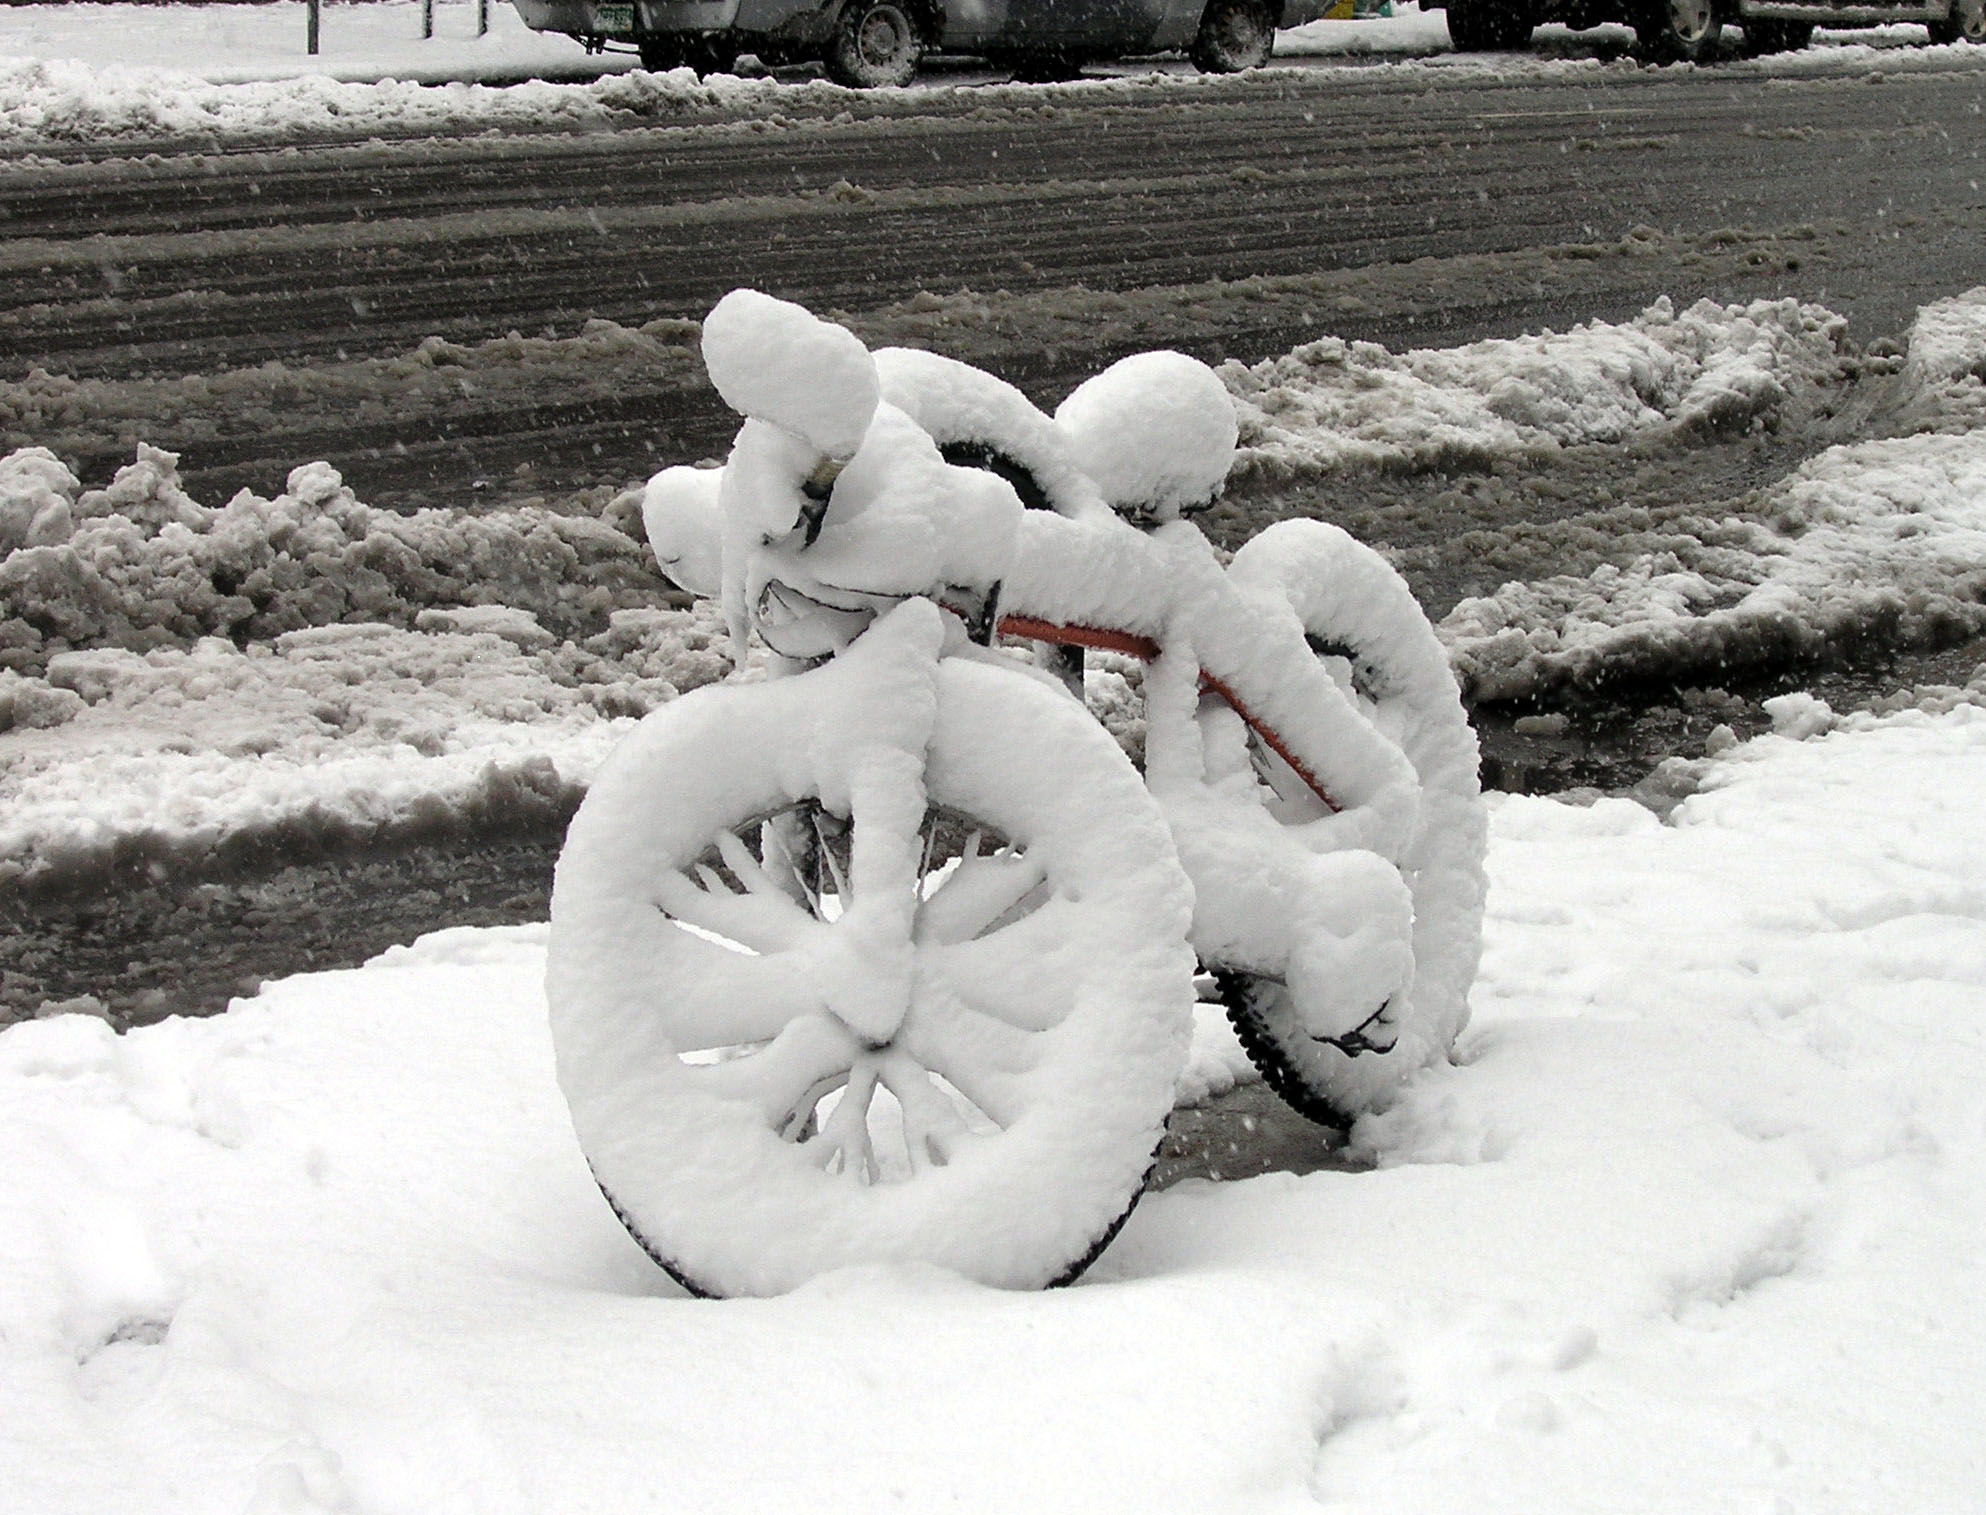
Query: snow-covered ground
(1695, 1224)
(82, 71)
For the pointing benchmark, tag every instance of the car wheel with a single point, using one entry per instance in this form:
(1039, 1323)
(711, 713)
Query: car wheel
(875, 43)
(660, 54)
(1679, 31)
(1488, 26)
(1966, 23)
(1778, 36)
(1234, 35)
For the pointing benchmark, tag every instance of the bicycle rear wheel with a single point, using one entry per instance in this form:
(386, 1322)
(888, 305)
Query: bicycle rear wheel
(1364, 624)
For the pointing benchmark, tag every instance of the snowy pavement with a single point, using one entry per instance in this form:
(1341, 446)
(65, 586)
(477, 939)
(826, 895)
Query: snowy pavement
(1695, 1224)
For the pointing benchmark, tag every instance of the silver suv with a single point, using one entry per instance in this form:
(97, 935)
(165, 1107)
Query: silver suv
(864, 43)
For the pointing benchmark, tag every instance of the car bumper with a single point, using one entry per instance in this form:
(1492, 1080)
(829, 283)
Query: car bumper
(630, 18)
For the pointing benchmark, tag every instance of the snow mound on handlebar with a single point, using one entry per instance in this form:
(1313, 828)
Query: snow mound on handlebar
(823, 386)
(681, 514)
(1156, 431)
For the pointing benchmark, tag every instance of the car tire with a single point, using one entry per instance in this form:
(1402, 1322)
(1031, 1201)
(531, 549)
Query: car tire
(1489, 26)
(1679, 31)
(1966, 23)
(1234, 35)
(1765, 37)
(875, 43)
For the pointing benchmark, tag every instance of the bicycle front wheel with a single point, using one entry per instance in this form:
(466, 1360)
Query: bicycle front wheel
(831, 985)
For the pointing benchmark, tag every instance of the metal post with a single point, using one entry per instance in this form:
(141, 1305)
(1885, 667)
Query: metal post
(310, 30)
(482, 18)
(427, 20)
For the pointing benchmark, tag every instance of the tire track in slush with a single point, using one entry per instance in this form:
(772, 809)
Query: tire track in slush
(321, 256)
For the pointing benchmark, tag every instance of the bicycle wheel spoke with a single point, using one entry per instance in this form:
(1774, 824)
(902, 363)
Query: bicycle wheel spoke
(843, 1143)
(934, 1130)
(982, 893)
(782, 848)
(702, 993)
(785, 1078)
(983, 1057)
(764, 921)
(748, 870)
(1025, 972)
(830, 855)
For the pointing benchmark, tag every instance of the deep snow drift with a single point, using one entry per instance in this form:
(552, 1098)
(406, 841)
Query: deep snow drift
(179, 675)
(1695, 1225)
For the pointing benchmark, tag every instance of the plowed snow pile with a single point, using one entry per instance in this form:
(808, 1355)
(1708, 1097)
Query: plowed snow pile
(1331, 403)
(177, 677)
(1882, 540)
(1696, 1224)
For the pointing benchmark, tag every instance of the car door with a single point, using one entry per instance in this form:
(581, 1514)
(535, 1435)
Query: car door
(1090, 26)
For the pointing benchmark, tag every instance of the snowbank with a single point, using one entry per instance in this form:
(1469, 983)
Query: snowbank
(1714, 1137)
(176, 680)
(1409, 31)
(1332, 404)
(1881, 541)
(141, 564)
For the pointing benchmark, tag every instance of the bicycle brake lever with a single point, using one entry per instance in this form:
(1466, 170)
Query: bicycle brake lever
(1355, 1042)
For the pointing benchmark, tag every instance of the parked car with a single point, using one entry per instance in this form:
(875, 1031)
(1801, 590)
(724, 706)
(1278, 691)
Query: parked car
(864, 43)
(1689, 31)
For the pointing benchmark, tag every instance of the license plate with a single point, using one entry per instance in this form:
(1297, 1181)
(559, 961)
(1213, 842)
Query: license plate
(614, 18)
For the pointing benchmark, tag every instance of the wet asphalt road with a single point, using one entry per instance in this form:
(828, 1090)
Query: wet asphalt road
(1234, 218)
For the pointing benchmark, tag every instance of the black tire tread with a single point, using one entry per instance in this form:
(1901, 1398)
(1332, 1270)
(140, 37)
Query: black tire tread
(1210, 52)
(1284, 1078)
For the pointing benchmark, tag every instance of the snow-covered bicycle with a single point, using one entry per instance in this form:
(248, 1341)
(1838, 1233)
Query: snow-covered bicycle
(892, 954)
